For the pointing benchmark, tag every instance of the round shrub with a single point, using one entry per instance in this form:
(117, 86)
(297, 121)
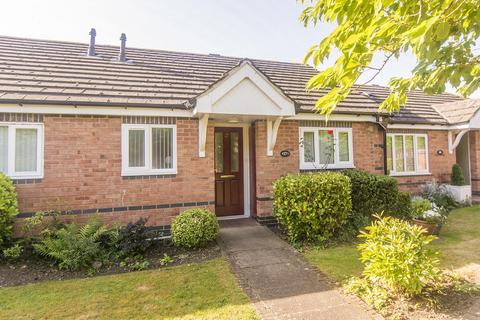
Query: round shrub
(457, 175)
(312, 207)
(397, 256)
(8, 209)
(194, 228)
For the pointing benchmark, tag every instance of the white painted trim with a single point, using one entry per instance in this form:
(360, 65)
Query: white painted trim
(238, 216)
(452, 145)
(246, 164)
(417, 127)
(283, 106)
(12, 127)
(272, 132)
(147, 169)
(334, 117)
(202, 134)
(393, 173)
(93, 110)
(337, 163)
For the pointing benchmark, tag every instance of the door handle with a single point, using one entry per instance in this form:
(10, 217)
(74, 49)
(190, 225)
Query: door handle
(227, 176)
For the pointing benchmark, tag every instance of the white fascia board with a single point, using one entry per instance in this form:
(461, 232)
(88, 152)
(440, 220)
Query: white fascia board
(334, 117)
(417, 126)
(92, 110)
(207, 99)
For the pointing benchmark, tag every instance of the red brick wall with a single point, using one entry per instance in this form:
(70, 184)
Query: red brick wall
(368, 147)
(83, 171)
(474, 137)
(440, 165)
(268, 169)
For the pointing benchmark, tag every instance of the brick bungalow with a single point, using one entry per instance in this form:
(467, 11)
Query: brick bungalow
(132, 133)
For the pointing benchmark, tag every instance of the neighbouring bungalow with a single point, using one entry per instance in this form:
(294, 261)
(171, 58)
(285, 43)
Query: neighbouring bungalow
(130, 133)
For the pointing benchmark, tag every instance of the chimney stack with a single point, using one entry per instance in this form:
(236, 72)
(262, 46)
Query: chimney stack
(122, 55)
(91, 48)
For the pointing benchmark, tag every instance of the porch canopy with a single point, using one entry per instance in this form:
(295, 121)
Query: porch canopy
(463, 116)
(244, 94)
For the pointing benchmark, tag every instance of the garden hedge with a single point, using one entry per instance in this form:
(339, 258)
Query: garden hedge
(312, 207)
(8, 209)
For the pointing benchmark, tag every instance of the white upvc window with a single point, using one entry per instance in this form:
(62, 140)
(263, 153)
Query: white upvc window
(149, 149)
(407, 154)
(326, 148)
(21, 150)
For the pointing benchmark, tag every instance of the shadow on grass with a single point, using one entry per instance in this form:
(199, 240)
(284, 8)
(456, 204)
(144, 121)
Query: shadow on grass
(205, 290)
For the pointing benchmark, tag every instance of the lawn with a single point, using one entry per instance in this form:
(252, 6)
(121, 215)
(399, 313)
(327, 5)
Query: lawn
(458, 246)
(205, 290)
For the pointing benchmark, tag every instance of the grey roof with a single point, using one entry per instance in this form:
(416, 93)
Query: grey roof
(54, 72)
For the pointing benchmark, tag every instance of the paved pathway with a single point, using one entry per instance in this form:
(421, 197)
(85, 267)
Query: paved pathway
(280, 283)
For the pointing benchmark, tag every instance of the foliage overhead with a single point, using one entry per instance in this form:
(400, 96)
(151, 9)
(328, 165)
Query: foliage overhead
(442, 34)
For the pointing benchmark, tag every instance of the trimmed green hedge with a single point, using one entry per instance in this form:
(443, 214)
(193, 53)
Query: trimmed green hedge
(194, 228)
(8, 209)
(312, 207)
(375, 193)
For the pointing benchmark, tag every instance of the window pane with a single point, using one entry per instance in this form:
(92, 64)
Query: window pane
(309, 147)
(389, 154)
(422, 154)
(343, 147)
(136, 148)
(399, 153)
(326, 146)
(218, 152)
(409, 154)
(162, 148)
(3, 149)
(234, 160)
(25, 150)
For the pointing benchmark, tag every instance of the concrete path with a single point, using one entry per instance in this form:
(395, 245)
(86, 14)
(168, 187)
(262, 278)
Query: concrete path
(280, 283)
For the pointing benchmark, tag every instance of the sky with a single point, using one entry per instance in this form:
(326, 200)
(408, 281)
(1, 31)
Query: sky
(262, 29)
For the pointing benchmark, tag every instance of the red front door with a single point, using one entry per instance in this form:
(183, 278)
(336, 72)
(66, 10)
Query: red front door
(228, 171)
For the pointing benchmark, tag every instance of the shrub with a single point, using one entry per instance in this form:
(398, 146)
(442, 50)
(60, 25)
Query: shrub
(13, 253)
(372, 193)
(194, 228)
(440, 196)
(312, 207)
(8, 209)
(73, 247)
(397, 257)
(133, 239)
(457, 175)
(402, 207)
(420, 206)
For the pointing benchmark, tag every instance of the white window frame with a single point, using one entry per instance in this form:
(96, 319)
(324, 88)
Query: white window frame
(337, 164)
(147, 169)
(12, 127)
(393, 172)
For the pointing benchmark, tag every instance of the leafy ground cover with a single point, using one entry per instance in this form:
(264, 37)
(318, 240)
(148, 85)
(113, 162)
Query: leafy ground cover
(205, 290)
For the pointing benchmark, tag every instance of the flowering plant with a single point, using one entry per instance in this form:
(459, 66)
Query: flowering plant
(435, 215)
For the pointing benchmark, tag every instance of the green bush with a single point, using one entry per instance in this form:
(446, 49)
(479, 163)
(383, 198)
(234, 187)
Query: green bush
(312, 207)
(457, 175)
(397, 257)
(13, 253)
(194, 228)
(402, 208)
(73, 247)
(372, 193)
(420, 206)
(8, 209)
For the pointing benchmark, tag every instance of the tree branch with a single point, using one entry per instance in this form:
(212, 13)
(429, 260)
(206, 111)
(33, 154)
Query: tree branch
(379, 69)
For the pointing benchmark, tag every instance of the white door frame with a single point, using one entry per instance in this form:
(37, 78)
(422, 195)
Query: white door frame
(246, 166)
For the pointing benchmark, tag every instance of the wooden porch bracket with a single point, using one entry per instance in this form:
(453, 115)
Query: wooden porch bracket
(272, 131)
(453, 144)
(202, 134)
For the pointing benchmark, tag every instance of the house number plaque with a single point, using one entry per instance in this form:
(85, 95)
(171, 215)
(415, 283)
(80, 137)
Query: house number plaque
(285, 153)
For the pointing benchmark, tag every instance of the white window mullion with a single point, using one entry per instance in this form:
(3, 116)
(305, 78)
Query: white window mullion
(336, 147)
(394, 154)
(11, 150)
(316, 138)
(415, 153)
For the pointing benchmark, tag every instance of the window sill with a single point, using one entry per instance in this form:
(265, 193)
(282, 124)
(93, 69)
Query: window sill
(148, 173)
(328, 167)
(410, 174)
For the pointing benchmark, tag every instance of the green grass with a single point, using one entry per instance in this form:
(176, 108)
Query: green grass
(205, 290)
(458, 246)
